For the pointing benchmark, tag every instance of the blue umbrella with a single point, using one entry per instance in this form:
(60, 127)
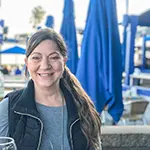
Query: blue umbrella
(49, 21)
(13, 50)
(1, 34)
(125, 24)
(99, 68)
(68, 32)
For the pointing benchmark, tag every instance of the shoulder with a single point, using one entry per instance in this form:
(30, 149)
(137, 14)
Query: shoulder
(4, 107)
(14, 95)
(4, 117)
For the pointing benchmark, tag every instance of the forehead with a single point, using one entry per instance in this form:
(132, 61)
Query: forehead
(46, 46)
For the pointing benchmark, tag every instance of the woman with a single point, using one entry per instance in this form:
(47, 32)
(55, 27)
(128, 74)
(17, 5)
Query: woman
(53, 111)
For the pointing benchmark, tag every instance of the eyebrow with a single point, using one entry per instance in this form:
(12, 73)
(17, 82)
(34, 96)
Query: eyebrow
(48, 55)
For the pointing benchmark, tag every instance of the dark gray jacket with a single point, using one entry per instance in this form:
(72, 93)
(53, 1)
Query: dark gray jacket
(26, 127)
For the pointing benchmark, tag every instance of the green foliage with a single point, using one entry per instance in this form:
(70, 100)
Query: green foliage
(37, 16)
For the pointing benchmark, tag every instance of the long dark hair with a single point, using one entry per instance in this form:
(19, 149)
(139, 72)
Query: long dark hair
(89, 117)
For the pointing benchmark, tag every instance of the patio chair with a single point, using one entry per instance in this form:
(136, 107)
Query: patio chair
(134, 111)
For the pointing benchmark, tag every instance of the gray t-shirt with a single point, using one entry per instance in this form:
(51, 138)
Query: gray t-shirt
(55, 127)
(52, 118)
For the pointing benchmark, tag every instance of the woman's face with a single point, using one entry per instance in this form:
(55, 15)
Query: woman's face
(45, 64)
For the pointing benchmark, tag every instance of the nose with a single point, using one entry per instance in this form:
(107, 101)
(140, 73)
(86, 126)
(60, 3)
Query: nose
(45, 64)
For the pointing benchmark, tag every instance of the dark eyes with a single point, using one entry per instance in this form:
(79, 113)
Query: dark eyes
(51, 59)
(55, 57)
(36, 58)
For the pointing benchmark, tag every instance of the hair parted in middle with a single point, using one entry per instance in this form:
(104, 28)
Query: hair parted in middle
(89, 117)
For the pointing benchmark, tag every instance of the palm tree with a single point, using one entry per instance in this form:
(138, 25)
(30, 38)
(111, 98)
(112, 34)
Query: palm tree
(37, 16)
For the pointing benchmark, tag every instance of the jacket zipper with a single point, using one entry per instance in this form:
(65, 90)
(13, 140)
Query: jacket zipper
(71, 133)
(40, 138)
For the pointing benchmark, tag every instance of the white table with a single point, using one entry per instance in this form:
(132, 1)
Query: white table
(14, 85)
(14, 81)
(142, 76)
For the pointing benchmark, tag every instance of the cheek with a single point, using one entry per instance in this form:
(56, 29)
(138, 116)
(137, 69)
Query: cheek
(32, 67)
(59, 67)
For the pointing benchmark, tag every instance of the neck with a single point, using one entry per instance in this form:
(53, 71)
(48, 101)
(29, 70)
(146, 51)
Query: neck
(49, 97)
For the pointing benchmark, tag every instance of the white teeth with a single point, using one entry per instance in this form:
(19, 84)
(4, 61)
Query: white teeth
(44, 75)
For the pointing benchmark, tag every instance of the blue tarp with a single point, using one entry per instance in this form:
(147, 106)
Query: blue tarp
(144, 18)
(13, 50)
(99, 68)
(68, 32)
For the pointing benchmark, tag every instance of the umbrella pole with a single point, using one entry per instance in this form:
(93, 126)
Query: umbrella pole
(127, 7)
(0, 42)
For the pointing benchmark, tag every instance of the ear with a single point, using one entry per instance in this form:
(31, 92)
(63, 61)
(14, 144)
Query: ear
(65, 60)
(26, 62)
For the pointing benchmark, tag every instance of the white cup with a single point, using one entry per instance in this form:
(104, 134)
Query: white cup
(7, 143)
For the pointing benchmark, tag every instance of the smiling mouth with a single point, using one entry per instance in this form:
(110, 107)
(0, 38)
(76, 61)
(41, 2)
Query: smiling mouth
(45, 74)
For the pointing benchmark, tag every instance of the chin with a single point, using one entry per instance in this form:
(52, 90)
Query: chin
(47, 84)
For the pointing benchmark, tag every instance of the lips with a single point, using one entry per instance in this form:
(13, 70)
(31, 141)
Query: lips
(45, 74)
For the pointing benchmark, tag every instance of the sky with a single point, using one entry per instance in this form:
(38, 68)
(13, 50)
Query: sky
(17, 13)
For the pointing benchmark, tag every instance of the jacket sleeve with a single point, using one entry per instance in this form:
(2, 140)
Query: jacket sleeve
(4, 117)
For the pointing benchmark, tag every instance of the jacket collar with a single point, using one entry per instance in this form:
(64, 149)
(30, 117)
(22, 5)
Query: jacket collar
(71, 106)
(26, 102)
